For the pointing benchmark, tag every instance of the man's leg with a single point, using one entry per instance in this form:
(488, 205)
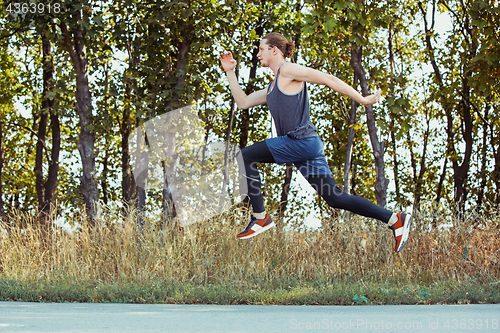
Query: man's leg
(326, 186)
(252, 155)
(399, 223)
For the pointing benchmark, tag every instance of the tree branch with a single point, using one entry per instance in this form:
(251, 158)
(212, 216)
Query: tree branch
(459, 21)
(13, 33)
(39, 139)
(69, 47)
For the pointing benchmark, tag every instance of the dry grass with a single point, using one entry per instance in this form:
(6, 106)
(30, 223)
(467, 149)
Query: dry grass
(208, 253)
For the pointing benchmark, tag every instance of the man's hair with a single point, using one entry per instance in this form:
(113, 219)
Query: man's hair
(278, 40)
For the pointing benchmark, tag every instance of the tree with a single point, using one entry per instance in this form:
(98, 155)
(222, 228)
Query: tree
(485, 17)
(9, 86)
(454, 90)
(74, 28)
(46, 188)
(355, 22)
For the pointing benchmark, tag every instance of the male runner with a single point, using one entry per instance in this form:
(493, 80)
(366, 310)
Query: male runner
(297, 139)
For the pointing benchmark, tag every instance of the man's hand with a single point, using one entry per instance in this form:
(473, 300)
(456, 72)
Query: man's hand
(228, 63)
(372, 99)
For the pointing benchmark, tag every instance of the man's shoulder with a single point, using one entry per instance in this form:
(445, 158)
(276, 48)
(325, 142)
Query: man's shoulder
(296, 72)
(290, 69)
(290, 66)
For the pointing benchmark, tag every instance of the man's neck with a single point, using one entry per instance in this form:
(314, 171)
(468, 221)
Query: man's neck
(275, 66)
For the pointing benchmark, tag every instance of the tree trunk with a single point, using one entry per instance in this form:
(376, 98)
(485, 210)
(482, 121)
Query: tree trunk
(229, 130)
(440, 189)
(104, 179)
(128, 181)
(46, 188)
(245, 114)
(284, 191)
(420, 178)
(413, 160)
(105, 162)
(183, 47)
(86, 143)
(496, 168)
(496, 174)
(350, 140)
(461, 171)
(168, 207)
(377, 146)
(3, 216)
(182, 61)
(396, 165)
(141, 162)
(483, 173)
(393, 135)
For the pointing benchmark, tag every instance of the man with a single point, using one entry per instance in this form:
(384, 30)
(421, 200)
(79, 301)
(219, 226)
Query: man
(297, 139)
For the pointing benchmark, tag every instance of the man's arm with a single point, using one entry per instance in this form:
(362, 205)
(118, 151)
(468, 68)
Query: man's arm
(243, 101)
(302, 73)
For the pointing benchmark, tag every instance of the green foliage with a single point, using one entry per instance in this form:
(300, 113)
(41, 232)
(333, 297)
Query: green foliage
(147, 58)
(359, 299)
(284, 292)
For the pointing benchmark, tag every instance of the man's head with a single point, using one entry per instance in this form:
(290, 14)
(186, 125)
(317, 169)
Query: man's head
(273, 46)
(275, 39)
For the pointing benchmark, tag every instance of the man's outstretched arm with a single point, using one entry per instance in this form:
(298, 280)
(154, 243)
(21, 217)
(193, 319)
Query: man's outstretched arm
(243, 101)
(302, 73)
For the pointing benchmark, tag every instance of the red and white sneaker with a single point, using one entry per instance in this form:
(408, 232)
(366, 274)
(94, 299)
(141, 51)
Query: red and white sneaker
(256, 227)
(401, 230)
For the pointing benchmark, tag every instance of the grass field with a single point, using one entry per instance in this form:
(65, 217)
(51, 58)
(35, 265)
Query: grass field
(344, 263)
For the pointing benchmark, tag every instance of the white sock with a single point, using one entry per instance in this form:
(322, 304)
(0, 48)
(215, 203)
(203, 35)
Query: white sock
(260, 216)
(393, 219)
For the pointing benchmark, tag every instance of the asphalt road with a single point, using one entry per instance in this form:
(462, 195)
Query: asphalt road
(85, 317)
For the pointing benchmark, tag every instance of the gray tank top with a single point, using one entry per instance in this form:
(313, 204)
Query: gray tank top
(290, 112)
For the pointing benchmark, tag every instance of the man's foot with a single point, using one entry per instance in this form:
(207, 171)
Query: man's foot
(256, 227)
(401, 230)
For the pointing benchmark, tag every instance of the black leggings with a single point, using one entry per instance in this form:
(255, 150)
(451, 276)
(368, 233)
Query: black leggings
(325, 185)
(256, 153)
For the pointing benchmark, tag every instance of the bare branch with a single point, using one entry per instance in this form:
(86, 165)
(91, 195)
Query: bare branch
(39, 139)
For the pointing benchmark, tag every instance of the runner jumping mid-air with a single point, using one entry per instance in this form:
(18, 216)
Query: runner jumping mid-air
(297, 139)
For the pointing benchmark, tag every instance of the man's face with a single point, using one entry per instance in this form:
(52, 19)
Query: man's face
(265, 53)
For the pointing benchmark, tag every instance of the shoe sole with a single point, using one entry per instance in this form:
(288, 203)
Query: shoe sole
(267, 227)
(406, 232)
